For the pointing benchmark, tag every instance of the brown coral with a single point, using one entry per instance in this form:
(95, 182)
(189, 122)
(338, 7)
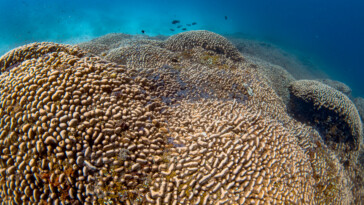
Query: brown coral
(64, 123)
(102, 45)
(329, 108)
(111, 38)
(359, 103)
(231, 154)
(34, 50)
(141, 56)
(342, 87)
(80, 129)
(205, 39)
(277, 77)
(94, 47)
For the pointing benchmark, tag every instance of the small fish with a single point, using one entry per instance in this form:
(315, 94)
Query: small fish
(175, 21)
(225, 17)
(143, 31)
(188, 24)
(184, 29)
(171, 29)
(194, 23)
(179, 26)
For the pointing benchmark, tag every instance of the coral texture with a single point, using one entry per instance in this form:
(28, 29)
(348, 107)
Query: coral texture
(324, 105)
(342, 87)
(156, 127)
(34, 50)
(205, 39)
(141, 55)
(359, 103)
(277, 77)
(231, 154)
(101, 45)
(63, 122)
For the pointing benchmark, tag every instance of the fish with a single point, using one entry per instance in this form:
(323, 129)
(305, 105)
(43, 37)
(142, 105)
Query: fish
(179, 26)
(171, 29)
(184, 29)
(194, 23)
(143, 31)
(225, 17)
(188, 24)
(175, 21)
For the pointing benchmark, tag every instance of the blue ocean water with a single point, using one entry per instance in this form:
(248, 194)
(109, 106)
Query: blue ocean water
(330, 33)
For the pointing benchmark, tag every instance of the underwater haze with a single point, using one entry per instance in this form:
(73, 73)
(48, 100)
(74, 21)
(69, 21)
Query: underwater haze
(327, 33)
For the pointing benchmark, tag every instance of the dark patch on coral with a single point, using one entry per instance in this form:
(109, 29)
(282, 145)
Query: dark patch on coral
(361, 158)
(10, 67)
(334, 131)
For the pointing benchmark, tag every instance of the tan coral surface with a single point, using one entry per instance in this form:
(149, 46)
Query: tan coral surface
(325, 99)
(34, 50)
(231, 154)
(206, 129)
(205, 39)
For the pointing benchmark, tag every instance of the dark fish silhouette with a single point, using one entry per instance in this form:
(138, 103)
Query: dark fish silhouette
(194, 23)
(225, 17)
(175, 21)
(143, 31)
(188, 24)
(179, 26)
(171, 29)
(184, 29)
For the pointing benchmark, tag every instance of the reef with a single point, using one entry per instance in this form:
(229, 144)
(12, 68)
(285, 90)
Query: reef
(276, 76)
(140, 56)
(204, 39)
(33, 50)
(99, 46)
(359, 103)
(179, 120)
(342, 87)
(330, 109)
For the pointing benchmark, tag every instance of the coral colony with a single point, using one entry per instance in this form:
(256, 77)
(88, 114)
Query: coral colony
(182, 120)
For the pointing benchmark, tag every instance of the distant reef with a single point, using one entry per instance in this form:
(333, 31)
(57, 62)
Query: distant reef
(185, 119)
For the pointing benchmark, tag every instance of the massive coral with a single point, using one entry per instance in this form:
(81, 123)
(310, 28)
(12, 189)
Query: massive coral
(205, 39)
(227, 153)
(191, 126)
(141, 55)
(359, 103)
(63, 129)
(342, 87)
(33, 50)
(330, 109)
(143, 51)
(277, 77)
(101, 45)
